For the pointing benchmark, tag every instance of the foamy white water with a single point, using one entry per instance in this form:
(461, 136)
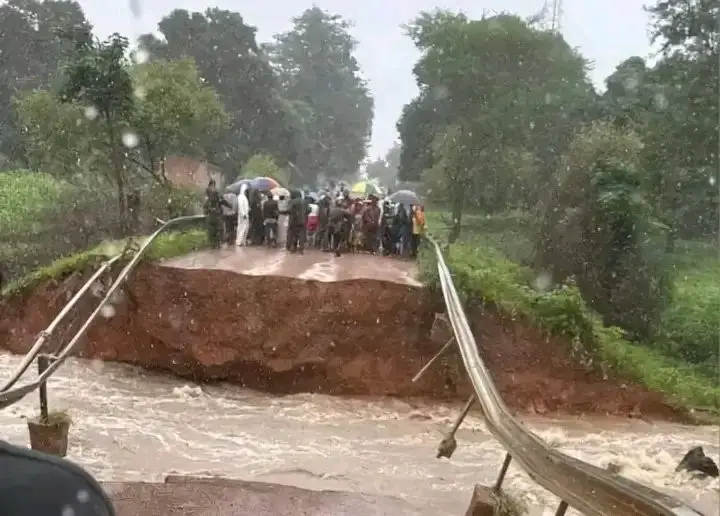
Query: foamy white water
(133, 425)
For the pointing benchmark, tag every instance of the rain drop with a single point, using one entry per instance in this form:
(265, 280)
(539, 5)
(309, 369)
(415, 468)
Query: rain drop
(543, 282)
(91, 112)
(107, 311)
(68, 511)
(660, 101)
(142, 56)
(83, 496)
(130, 140)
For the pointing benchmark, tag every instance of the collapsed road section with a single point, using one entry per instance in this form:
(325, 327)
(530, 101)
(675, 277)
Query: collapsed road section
(356, 325)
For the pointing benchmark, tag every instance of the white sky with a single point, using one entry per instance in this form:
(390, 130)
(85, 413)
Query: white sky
(605, 31)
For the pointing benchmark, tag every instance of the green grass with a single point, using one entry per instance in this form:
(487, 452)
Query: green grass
(25, 196)
(167, 245)
(484, 269)
(690, 327)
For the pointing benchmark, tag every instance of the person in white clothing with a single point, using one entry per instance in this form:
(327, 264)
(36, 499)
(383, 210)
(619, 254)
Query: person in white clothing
(243, 215)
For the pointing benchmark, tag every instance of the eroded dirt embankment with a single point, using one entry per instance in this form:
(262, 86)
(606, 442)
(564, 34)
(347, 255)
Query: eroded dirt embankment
(283, 335)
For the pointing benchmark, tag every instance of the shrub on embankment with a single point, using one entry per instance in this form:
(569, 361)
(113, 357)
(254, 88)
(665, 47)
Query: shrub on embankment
(167, 245)
(43, 218)
(484, 276)
(688, 330)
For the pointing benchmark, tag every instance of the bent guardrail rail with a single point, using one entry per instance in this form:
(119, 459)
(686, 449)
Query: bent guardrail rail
(588, 489)
(10, 395)
(48, 332)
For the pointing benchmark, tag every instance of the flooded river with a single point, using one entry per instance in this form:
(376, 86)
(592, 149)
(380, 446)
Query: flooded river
(133, 425)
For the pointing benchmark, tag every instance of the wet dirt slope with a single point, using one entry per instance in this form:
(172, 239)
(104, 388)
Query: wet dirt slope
(283, 335)
(351, 337)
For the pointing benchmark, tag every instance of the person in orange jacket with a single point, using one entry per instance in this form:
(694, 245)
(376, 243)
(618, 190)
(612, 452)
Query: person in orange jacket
(418, 228)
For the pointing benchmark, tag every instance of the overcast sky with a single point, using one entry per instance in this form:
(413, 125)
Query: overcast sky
(606, 32)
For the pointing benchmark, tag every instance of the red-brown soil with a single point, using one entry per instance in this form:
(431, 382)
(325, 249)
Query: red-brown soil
(282, 335)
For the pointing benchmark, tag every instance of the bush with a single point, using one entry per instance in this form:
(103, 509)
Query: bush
(690, 329)
(596, 229)
(484, 275)
(42, 219)
(25, 197)
(167, 245)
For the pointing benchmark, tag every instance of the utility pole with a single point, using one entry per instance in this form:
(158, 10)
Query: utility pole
(556, 16)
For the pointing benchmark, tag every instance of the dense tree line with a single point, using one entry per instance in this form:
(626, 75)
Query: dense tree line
(508, 119)
(299, 99)
(99, 117)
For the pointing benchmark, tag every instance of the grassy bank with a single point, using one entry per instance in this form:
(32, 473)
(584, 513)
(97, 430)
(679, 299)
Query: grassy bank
(485, 268)
(43, 218)
(26, 196)
(167, 245)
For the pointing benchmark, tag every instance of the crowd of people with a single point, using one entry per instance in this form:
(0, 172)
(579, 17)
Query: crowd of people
(333, 223)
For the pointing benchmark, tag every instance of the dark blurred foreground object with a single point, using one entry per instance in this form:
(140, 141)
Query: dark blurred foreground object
(695, 461)
(35, 484)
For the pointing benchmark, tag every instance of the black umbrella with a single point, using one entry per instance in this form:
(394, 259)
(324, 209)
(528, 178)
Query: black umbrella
(406, 197)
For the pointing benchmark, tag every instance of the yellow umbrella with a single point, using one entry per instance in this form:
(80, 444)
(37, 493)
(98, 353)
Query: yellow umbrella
(366, 188)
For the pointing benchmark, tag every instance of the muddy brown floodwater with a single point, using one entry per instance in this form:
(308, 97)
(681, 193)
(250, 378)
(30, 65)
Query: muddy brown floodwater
(306, 327)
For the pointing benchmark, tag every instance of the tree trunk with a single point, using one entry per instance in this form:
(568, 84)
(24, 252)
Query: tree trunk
(122, 204)
(670, 240)
(458, 203)
(117, 160)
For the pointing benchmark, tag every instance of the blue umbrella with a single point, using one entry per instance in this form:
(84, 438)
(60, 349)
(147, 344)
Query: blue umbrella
(265, 183)
(237, 185)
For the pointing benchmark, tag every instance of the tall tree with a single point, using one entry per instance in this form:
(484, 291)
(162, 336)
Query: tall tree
(684, 150)
(97, 76)
(175, 111)
(320, 75)
(36, 37)
(117, 120)
(229, 59)
(595, 230)
(385, 169)
(494, 93)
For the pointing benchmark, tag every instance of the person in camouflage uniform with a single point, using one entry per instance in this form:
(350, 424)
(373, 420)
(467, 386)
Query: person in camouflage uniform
(213, 213)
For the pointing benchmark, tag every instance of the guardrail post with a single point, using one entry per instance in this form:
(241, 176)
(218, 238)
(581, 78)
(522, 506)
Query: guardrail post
(561, 508)
(448, 445)
(503, 472)
(48, 432)
(434, 359)
(43, 362)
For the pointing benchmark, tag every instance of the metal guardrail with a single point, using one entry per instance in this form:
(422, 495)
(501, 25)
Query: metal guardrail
(588, 489)
(10, 395)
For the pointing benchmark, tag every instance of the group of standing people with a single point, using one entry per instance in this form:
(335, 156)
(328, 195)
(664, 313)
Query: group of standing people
(366, 225)
(334, 223)
(255, 217)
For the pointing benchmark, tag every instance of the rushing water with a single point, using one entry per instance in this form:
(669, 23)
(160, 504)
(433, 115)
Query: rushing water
(133, 425)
